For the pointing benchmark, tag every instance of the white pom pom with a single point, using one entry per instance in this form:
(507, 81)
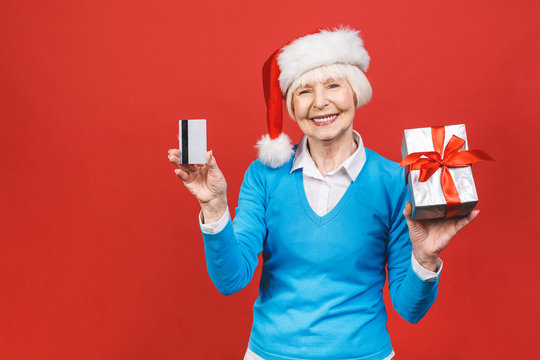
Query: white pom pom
(274, 152)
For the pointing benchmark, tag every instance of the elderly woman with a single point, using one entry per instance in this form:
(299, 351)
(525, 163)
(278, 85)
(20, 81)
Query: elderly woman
(328, 215)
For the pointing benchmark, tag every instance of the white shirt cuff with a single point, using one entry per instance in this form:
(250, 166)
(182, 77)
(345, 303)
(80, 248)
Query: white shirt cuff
(215, 227)
(424, 273)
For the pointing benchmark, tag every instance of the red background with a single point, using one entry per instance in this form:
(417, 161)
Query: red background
(100, 252)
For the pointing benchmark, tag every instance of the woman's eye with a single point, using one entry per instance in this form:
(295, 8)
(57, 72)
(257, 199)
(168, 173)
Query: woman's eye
(333, 86)
(303, 92)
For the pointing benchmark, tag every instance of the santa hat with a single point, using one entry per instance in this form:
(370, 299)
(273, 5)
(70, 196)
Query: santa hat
(319, 47)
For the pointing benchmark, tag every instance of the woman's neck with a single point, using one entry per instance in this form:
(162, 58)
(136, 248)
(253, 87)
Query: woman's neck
(328, 155)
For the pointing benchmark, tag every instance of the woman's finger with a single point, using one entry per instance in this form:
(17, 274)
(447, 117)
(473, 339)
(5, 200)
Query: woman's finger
(175, 152)
(461, 223)
(175, 160)
(189, 168)
(184, 176)
(210, 160)
(407, 211)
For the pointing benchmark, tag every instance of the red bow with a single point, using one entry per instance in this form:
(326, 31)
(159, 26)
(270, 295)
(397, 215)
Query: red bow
(435, 159)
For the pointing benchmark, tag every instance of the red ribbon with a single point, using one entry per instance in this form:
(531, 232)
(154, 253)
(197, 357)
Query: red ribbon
(429, 164)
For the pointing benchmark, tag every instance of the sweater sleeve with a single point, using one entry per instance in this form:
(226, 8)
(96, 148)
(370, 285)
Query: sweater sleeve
(231, 254)
(411, 296)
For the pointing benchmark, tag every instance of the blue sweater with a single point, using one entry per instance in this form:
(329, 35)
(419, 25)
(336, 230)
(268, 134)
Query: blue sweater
(320, 294)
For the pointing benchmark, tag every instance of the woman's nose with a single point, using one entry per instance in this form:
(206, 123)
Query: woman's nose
(319, 99)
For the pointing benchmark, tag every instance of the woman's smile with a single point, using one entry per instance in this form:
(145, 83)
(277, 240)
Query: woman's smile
(324, 120)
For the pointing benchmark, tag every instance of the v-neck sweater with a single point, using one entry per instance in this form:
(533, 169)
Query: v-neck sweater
(320, 293)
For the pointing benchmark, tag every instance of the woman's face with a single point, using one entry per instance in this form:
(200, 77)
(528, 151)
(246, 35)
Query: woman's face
(324, 111)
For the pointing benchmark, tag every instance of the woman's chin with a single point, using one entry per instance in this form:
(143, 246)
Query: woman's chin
(327, 134)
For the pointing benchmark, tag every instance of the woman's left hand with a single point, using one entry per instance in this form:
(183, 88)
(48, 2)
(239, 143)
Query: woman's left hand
(430, 237)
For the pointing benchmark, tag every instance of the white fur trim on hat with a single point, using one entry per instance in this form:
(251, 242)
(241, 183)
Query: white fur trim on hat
(276, 152)
(341, 45)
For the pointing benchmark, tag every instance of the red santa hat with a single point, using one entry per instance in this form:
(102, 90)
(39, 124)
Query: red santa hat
(319, 47)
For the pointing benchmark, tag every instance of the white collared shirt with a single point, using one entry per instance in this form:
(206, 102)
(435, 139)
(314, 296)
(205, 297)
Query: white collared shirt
(324, 192)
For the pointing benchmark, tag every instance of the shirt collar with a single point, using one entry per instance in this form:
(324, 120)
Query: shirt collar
(352, 165)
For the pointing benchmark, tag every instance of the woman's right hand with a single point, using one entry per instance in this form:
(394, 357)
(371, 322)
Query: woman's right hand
(206, 182)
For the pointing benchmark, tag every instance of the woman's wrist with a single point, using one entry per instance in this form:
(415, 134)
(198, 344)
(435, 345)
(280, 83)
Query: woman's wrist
(427, 261)
(213, 210)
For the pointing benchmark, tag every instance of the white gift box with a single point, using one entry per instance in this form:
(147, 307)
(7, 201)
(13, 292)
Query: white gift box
(427, 197)
(192, 138)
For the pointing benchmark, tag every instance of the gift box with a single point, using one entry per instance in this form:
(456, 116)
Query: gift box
(438, 173)
(192, 141)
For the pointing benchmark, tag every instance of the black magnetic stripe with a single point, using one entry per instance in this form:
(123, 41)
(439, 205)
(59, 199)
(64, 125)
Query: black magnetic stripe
(185, 154)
